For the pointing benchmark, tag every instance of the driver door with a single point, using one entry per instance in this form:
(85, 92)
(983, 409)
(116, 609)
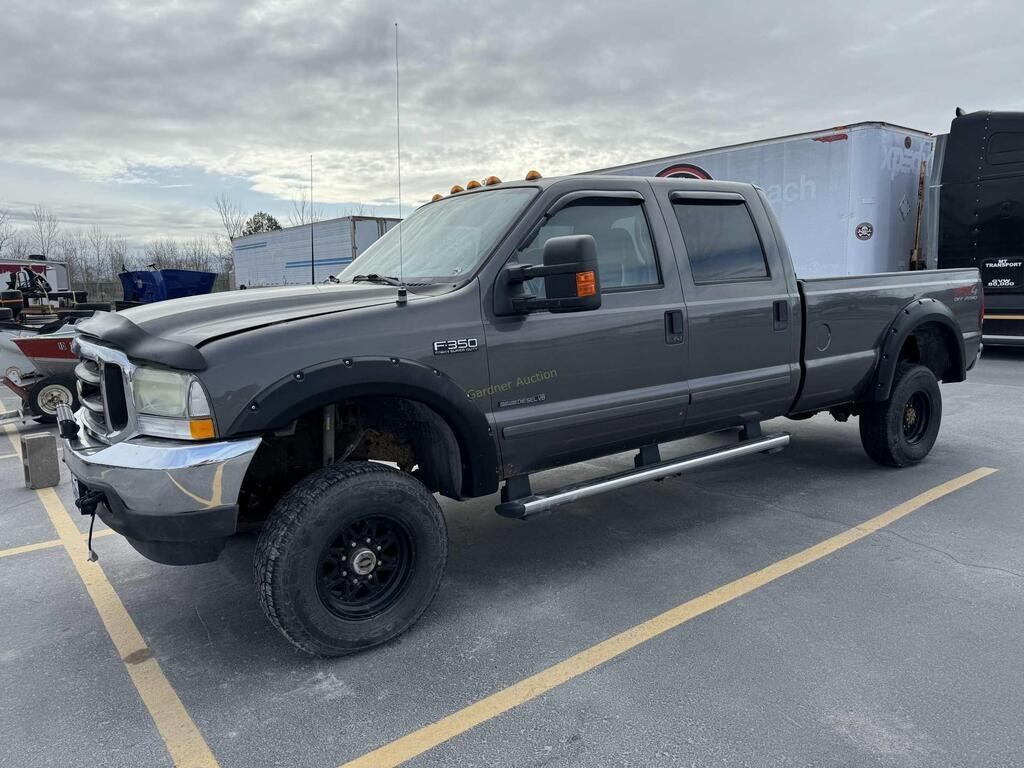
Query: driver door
(567, 386)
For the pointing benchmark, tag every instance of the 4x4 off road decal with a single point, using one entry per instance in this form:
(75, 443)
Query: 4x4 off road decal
(454, 346)
(684, 171)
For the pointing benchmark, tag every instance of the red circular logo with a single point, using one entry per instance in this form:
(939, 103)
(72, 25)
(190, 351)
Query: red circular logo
(684, 171)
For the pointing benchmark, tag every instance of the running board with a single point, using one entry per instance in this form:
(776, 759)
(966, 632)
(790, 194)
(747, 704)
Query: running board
(541, 502)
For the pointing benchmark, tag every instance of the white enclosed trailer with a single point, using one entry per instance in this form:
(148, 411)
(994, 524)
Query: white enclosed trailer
(847, 198)
(285, 256)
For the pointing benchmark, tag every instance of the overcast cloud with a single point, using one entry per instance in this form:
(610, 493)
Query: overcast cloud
(135, 115)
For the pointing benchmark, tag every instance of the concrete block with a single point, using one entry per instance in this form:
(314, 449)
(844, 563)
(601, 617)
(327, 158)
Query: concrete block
(39, 459)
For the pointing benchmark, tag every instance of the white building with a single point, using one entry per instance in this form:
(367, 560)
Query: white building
(286, 256)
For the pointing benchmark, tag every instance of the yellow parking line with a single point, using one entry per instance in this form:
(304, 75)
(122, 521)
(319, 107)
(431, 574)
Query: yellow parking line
(185, 743)
(430, 736)
(48, 544)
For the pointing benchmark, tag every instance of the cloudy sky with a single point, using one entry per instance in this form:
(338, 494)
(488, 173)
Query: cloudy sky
(135, 115)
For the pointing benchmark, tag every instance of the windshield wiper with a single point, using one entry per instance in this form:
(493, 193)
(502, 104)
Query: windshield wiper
(375, 278)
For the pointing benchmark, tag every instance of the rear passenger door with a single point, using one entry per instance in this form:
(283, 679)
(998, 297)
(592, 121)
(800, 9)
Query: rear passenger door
(743, 312)
(566, 386)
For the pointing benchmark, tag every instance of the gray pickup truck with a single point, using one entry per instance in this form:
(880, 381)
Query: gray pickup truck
(499, 331)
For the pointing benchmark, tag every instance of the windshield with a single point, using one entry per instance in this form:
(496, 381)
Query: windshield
(443, 241)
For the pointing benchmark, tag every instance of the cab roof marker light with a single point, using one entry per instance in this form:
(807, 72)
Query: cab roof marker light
(456, 189)
(490, 181)
(436, 197)
(533, 175)
(473, 184)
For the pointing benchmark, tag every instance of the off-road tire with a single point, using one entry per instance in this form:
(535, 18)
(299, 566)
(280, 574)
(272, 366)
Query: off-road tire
(288, 563)
(40, 397)
(890, 434)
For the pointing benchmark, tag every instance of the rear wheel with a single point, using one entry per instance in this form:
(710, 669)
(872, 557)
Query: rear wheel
(44, 397)
(902, 430)
(350, 558)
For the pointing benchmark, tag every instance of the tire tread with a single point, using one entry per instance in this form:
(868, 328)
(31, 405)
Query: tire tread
(283, 525)
(878, 441)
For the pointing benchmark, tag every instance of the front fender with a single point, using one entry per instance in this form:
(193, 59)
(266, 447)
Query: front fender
(285, 400)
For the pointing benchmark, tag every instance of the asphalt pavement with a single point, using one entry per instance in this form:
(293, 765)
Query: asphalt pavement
(891, 647)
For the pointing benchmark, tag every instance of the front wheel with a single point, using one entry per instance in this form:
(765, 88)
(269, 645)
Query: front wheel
(350, 558)
(902, 430)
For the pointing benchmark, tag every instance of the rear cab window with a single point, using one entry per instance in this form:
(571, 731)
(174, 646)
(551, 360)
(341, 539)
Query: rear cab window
(722, 244)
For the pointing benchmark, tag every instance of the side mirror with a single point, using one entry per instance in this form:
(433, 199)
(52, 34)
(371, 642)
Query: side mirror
(570, 274)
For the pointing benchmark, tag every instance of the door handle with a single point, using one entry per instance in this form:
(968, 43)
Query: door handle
(674, 328)
(780, 314)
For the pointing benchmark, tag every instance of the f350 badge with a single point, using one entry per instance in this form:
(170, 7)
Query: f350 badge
(455, 346)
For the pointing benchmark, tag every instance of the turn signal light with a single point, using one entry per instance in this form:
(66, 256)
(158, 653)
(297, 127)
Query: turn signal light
(436, 197)
(490, 181)
(586, 284)
(473, 184)
(456, 189)
(201, 429)
(533, 175)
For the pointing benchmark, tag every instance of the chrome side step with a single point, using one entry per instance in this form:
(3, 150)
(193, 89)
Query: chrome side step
(541, 502)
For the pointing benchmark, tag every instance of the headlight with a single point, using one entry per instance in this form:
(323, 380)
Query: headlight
(171, 404)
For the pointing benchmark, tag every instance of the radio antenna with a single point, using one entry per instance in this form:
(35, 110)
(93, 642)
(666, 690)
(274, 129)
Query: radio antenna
(312, 255)
(398, 148)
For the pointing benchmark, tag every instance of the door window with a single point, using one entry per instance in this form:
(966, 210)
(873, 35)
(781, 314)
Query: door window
(625, 252)
(721, 242)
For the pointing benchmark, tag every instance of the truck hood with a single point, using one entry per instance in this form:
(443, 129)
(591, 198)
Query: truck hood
(200, 319)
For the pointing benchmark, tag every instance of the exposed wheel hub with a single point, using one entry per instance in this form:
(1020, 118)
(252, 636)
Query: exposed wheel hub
(909, 417)
(916, 414)
(363, 561)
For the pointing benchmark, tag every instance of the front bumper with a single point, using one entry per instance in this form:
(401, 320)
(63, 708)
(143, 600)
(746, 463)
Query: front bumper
(176, 502)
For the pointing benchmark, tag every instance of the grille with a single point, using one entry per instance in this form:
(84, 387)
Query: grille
(101, 376)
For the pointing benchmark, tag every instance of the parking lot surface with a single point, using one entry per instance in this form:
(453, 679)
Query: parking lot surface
(894, 645)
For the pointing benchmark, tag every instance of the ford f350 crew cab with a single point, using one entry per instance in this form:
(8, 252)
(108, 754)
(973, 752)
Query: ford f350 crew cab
(496, 332)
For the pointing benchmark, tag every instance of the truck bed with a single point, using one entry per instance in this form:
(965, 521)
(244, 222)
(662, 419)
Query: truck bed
(846, 318)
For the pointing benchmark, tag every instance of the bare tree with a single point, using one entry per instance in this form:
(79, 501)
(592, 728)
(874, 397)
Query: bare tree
(200, 253)
(304, 212)
(45, 229)
(107, 253)
(358, 209)
(231, 215)
(162, 253)
(19, 245)
(117, 260)
(7, 230)
(73, 249)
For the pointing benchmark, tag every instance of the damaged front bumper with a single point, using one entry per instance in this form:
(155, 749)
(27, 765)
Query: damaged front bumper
(175, 501)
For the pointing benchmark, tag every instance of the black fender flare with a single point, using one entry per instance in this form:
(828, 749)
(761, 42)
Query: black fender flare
(280, 403)
(911, 317)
